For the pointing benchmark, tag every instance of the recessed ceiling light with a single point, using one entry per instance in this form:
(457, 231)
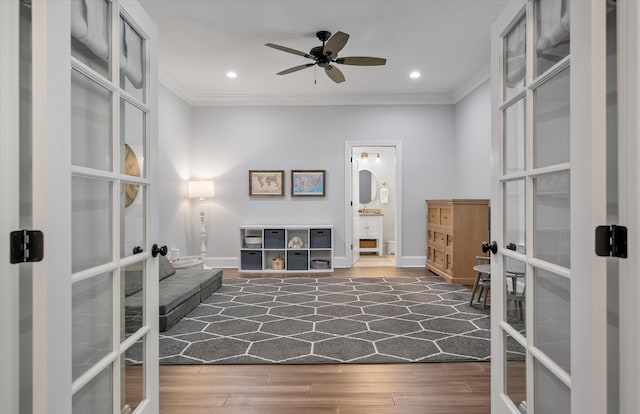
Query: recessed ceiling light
(232, 75)
(414, 75)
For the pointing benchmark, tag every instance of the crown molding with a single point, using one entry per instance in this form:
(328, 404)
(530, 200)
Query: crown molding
(317, 100)
(471, 84)
(176, 86)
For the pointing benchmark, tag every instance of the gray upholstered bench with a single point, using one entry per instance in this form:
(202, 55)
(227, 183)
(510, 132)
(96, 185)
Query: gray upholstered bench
(180, 292)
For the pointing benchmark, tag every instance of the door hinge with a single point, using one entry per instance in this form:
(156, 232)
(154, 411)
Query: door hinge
(611, 241)
(26, 246)
(352, 247)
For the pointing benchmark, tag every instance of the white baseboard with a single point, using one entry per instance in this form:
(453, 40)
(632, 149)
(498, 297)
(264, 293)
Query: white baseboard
(222, 262)
(338, 262)
(413, 261)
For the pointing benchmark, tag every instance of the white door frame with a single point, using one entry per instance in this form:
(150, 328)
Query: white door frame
(397, 197)
(629, 176)
(51, 212)
(9, 206)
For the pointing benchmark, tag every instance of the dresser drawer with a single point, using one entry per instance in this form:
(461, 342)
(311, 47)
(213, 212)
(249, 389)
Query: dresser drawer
(434, 216)
(446, 217)
(438, 258)
(439, 238)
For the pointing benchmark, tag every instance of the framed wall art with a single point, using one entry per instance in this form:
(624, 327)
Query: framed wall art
(266, 183)
(308, 183)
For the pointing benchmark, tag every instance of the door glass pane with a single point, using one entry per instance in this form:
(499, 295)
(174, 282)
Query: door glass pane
(551, 396)
(551, 207)
(131, 299)
(515, 380)
(551, 121)
(90, 123)
(552, 316)
(91, 322)
(132, 379)
(514, 216)
(515, 301)
(132, 218)
(132, 133)
(514, 138)
(91, 236)
(97, 396)
(515, 60)
(90, 34)
(552, 33)
(132, 68)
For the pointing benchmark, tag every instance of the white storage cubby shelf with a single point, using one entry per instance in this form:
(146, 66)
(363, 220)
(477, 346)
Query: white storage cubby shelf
(260, 245)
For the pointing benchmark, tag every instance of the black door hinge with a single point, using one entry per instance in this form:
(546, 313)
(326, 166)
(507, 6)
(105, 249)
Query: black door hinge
(26, 246)
(611, 241)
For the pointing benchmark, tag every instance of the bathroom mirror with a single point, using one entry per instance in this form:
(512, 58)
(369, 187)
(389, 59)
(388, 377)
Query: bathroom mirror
(368, 186)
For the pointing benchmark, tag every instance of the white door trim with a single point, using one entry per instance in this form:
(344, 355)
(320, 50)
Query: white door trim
(588, 191)
(348, 221)
(52, 207)
(9, 202)
(629, 176)
(500, 404)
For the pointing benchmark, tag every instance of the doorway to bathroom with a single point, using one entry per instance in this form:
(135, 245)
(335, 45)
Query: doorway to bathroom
(372, 194)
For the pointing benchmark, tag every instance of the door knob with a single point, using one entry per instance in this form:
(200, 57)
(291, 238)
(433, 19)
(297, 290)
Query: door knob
(137, 250)
(155, 250)
(490, 247)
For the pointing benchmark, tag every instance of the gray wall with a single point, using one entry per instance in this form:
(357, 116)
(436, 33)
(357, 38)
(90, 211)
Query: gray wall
(175, 132)
(445, 153)
(472, 131)
(229, 141)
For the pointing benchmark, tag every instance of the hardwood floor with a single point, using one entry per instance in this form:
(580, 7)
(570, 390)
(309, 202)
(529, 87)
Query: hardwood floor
(442, 388)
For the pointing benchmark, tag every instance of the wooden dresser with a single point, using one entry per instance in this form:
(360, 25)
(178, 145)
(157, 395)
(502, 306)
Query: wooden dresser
(455, 232)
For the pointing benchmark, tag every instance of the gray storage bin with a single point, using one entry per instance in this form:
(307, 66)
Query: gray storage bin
(297, 260)
(251, 260)
(274, 238)
(320, 238)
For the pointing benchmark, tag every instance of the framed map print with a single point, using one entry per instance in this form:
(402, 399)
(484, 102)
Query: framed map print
(266, 183)
(308, 183)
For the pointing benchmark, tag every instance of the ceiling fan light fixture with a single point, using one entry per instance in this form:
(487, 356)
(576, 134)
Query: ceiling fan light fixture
(232, 75)
(415, 74)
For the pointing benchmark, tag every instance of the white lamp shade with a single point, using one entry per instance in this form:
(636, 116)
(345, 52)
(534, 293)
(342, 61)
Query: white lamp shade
(201, 189)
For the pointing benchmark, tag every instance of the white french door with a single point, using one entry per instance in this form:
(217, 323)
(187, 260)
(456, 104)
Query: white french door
(88, 136)
(549, 289)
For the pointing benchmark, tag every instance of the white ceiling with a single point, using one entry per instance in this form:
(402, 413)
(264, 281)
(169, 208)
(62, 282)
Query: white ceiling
(448, 41)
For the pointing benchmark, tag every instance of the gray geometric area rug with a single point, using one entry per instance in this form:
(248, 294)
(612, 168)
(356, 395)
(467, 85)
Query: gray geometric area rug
(304, 320)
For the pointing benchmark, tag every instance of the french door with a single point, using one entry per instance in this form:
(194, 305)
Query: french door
(556, 177)
(87, 138)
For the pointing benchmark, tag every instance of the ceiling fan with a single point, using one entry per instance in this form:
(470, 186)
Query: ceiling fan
(327, 54)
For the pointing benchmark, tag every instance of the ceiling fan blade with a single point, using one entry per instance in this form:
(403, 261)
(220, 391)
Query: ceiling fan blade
(289, 50)
(335, 44)
(334, 73)
(362, 61)
(295, 69)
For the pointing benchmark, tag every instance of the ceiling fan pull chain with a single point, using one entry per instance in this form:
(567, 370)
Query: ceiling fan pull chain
(315, 75)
